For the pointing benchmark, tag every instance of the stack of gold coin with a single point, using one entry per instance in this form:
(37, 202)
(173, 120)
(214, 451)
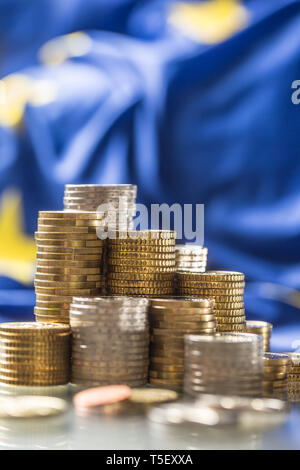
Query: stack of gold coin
(69, 262)
(116, 201)
(34, 354)
(276, 371)
(191, 258)
(170, 320)
(141, 263)
(294, 376)
(226, 288)
(224, 364)
(262, 328)
(110, 341)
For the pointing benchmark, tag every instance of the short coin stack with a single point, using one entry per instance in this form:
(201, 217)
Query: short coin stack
(119, 199)
(69, 262)
(170, 320)
(141, 263)
(110, 341)
(227, 363)
(225, 287)
(294, 376)
(191, 258)
(34, 354)
(276, 371)
(261, 328)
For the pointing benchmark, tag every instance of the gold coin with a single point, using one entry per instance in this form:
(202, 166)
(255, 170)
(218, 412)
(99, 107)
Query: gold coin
(122, 250)
(165, 375)
(174, 304)
(32, 328)
(66, 284)
(182, 325)
(139, 262)
(65, 229)
(177, 384)
(230, 326)
(66, 277)
(69, 246)
(132, 244)
(229, 312)
(138, 285)
(66, 271)
(137, 235)
(56, 237)
(181, 318)
(56, 319)
(67, 251)
(70, 264)
(215, 276)
(141, 269)
(275, 376)
(34, 382)
(295, 369)
(219, 299)
(218, 292)
(140, 256)
(273, 359)
(62, 291)
(214, 285)
(54, 298)
(152, 290)
(140, 277)
(233, 320)
(69, 215)
(68, 257)
(44, 312)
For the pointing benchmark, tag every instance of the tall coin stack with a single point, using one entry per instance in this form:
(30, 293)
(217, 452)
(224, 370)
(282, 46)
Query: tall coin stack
(227, 290)
(141, 263)
(110, 341)
(69, 262)
(120, 200)
(170, 320)
(224, 364)
(262, 328)
(276, 372)
(191, 258)
(34, 354)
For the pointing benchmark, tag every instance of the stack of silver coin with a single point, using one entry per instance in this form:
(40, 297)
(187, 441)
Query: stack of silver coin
(116, 201)
(227, 363)
(110, 341)
(191, 258)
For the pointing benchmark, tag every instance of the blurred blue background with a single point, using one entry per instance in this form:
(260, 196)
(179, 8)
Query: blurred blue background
(191, 101)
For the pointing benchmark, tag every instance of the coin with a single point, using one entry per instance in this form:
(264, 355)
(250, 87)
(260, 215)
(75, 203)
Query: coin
(215, 276)
(31, 407)
(231, 319)
(276, 359)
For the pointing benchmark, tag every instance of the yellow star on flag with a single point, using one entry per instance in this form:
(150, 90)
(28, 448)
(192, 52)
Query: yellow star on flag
(17, 250)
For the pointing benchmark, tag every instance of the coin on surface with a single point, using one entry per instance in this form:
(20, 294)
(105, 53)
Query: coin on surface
(28, 406)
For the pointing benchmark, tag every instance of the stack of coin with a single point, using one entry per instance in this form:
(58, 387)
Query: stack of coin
(141, 263)
(69, 262)
(226, 288)
(262, 328)
(170, 320)
(226, 363)
(276, 371)
(110, 341)
(294, 377)
(191, 258)
(117, 201)
(34, 354)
